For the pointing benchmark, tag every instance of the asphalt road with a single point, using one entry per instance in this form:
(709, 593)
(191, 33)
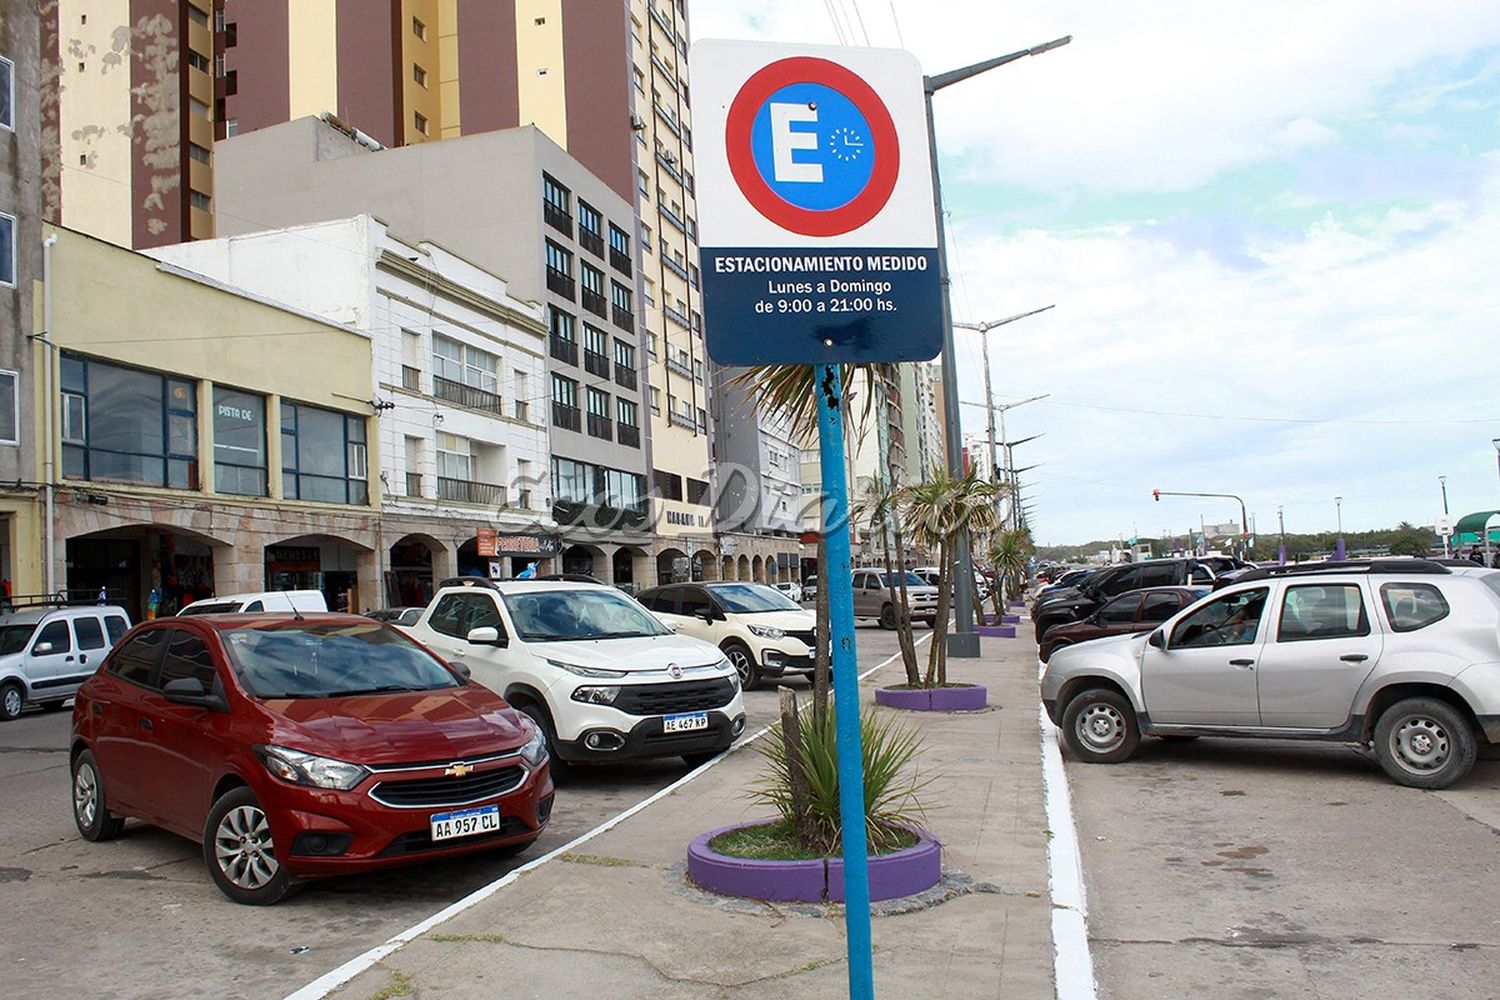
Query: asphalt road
(139, 917)
(1244, 870)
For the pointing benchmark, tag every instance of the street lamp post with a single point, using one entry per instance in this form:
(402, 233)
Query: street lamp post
(1281, 529)
(964, 641)
(1443, 485)
(1244, 522)
(1339, 548)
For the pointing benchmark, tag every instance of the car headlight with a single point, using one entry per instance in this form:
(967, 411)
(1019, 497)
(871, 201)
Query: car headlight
(766, 632)
(535, 750)
(582, 671)
(597, 695)
(309, 769)
(725, 665)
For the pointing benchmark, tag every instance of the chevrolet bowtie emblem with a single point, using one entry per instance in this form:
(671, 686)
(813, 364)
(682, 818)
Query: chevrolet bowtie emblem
(674, 671)
(458, 770)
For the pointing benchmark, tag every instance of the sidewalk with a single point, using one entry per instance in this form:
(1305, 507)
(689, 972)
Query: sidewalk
(620, 920)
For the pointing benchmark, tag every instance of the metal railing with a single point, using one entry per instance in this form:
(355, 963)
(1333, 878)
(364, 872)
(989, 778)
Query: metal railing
(596, 364)
(595, 302)
(567, 417)
(557, 218)
(411, 378)
(600, 427)
(413, 484)
(679, 366)
(626, 377)
(591, 241)
(466, 491)
(467, 395)
(561, 283)
(628, 435)
(623, 319)
(620, 261)
(563, 350)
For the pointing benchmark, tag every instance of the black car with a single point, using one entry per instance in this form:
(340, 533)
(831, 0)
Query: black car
(1073, 603)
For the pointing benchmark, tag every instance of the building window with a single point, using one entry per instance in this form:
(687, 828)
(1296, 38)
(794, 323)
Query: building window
(560, 270)
(197, 16)
(7, 250)
(522, 395)
(629, 422)
(239, 442)
(200, 200)
(231, 127)
(619, 249)
(419, 29)
(667, 484)
(599, 420)
(10, 409)
(197, 107)
(198, 153)
(419, 75)
(125, 425)
(645, 184)
(323, 455)
(572, 481)
(557, 205)
(7, 93)
(455, 457)
(697, 491)
(593, 289)
(419, 122)
(196, 59)
(589, 220)
(565, 412)
(655, 400)
(624, 315)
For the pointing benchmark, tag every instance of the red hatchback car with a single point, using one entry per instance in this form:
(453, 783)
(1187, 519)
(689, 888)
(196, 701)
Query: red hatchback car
(302, 746)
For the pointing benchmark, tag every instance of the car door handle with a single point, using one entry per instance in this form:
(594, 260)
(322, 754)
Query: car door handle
(147, 724)
(68, 658)
(97, 707)
(1354, 657)
(1242, 663)
(83, 657)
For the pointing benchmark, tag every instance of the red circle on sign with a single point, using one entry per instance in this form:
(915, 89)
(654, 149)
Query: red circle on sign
(809, 222)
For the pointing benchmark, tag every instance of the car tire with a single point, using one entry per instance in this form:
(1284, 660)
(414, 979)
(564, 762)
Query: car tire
(697, 760)
(53, 706)
(559, 768)
(744, 664)
(888, 618)
(239, 851)
(90, 805)
(1424, 743)
(12, 700)
(1100, 727)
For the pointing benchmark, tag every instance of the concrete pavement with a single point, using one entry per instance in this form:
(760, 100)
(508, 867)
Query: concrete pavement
(617, 917)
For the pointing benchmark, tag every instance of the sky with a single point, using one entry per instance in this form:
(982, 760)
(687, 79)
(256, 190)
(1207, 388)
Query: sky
(1269, 231)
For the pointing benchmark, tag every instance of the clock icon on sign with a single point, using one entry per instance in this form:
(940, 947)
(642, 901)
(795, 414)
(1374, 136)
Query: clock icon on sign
(846, 143)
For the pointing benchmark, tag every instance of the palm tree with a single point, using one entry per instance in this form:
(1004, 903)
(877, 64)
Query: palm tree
(1009, 552)
(880, 507)
(941, 511)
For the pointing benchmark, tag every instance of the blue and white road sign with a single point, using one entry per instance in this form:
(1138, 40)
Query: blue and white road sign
(816, 227)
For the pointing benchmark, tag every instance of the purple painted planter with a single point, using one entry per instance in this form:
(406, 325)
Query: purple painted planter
(997, 631)
(1018, 604)
(1010, 619)
(903, 873)
(951, 699)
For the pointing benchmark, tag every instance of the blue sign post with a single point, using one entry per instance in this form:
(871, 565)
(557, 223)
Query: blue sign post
(819, 247)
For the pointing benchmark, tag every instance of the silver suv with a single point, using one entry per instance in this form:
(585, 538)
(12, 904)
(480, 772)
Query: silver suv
(872, 598)
(1399, 655)
(46, 652)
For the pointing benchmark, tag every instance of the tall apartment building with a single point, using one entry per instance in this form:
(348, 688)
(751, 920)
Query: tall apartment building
(20, 266)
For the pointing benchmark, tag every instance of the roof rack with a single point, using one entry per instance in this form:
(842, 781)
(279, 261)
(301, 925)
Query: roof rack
(569, 578)
(1408, 565)
(467, 581)
(79, 597)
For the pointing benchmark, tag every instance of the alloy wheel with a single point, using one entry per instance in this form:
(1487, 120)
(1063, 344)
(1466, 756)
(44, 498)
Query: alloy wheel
(1101, 727)
(12, 702)
(85, 794)
(742, 665)
(242, 845)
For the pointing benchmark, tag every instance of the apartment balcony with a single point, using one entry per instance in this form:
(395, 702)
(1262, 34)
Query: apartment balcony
(623, 319)
(414, 484)
(681, 420)
(620, 262)
(600, 427)
(591, 241)
(629, 436)
(669, 164)
(562, 284)
(667, 118)
(680, 318)
(596, 364)
(674, 267)
(680, 367)
(664, 70)
(598, 515)
(411, 378)
(569, 418)
(672, 217)
(563, 350)
(626, 378)
(662, 21)
(465, 491)
(557, 218)
(595, 303)
(467, 395)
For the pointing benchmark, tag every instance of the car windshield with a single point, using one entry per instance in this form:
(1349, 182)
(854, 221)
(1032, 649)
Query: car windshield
(13, 637)
(753, 599)
(912, 580)
(315, 660)
(211, 608)
(557, 615)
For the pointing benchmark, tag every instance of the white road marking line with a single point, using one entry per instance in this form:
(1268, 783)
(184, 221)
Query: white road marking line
(1073, 966)
(330, 981)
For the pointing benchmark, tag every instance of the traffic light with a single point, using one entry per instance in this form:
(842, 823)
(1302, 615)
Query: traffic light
(1156, 495)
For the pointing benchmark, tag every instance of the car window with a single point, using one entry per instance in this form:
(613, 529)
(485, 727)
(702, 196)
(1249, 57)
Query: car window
(693, 602)
(1163, 575)
(116, 626)
(187, 656)
(1160, 607)
(1322, 611)
(1121, 609)
(1410, 606)
(1120, 582)
(481, 612)
(55, 632)
(752, 598)
(1232, 620)
(136, 659)
(447, 615)
(13, 638)
(554, 615)
(254, 606)
(1201, 574)
(314, 659)
(409, 616)
(210, 608)
(89, 632)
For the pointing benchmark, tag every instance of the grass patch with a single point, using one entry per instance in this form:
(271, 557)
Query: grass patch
(602, 860)
(921, 687)
(399, 986)
(775, 842)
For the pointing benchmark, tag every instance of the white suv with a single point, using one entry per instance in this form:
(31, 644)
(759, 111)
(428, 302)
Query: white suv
(762, 631)
(46, 652)
(603, 679)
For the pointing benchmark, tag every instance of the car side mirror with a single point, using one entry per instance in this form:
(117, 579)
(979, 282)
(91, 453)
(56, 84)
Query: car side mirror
(1158, 639)
(190, 691)
(487, 635)
(42, 648)
(462, 668)
(706, 614)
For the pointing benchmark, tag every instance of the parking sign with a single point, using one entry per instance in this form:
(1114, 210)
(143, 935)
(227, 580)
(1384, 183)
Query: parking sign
(818, 238)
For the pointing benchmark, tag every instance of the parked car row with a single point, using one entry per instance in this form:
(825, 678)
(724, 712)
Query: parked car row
(1067, 603)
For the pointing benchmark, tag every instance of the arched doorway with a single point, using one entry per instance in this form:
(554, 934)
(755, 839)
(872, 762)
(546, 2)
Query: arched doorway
(705, 565)
(130, 564)
(758, 570)
(411, 578)
(744, 569)
(586, 560)
(727, 573)
(320, 562)
(625, 560)
(672, 566)
(772, 571)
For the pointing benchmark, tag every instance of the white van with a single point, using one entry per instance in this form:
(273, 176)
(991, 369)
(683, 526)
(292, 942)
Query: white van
(305, 601)
(43, 660)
